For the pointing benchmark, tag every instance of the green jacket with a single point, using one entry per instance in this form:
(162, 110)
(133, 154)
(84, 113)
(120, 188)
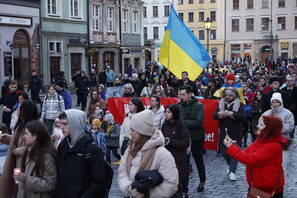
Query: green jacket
(193, 115)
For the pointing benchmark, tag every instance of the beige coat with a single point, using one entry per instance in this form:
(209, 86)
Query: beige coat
(8, 188)
(125, 128)
(35, 187)
(163, 162)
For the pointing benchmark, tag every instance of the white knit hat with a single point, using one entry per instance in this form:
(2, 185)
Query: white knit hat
(277, 96)
(143, 123)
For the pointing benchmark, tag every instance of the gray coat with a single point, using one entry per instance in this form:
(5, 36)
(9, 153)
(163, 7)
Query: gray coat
(113, 138)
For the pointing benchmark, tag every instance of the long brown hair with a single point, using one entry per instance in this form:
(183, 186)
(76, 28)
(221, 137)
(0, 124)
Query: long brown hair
(42, 146)
(136, 146)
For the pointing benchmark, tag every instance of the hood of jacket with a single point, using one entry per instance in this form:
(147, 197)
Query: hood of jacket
(278, 139)
(156, 140)
(77, 119)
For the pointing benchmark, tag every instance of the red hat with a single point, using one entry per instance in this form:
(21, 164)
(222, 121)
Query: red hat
(230, 78)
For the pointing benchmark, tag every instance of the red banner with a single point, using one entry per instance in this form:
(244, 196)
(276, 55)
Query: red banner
(119, 107)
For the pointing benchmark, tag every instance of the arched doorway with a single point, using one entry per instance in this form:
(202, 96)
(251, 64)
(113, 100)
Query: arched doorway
(21, 56)
(264, 53)
(108, 59)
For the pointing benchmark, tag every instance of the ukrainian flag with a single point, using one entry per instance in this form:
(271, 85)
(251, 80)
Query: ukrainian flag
(181, 50)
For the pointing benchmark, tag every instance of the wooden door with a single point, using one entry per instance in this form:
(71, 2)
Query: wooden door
(54, 67)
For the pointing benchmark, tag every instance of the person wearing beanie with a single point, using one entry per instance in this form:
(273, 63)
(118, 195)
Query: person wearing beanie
(275, 84)
(286, 116)
(112, 134)
(147, 143)
(230, 114)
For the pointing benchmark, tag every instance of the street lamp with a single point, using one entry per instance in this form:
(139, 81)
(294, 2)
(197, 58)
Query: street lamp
(207, 24)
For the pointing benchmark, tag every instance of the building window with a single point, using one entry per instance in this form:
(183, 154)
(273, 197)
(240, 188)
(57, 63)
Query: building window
(213, 34)
(181, 16)
(265, 24)
(212, 16)
(145, 33)
(235, 4)
(265, 3)
(52, 7)
(125, 21)
(201, 16)
(110, 19)
(166, 10)
(249, 25)
(180, 2)
(235, 25)
(136, 62)
(191, 17)
(156, 32)
(155, 11)
(235, 51)
(212, 1)
(281, 3)
(201, 35)
(96, 18)
(295, 22)
(191, 1)
(281, 23)
(135, 21)
(250, 4)
(55, 47)
(144, 12)
(75, 9)
(201, 1)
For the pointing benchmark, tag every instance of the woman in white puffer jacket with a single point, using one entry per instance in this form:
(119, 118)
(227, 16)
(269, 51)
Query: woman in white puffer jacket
(144, 138)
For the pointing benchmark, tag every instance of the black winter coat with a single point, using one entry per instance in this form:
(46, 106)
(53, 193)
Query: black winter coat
(82, 83)
(35, 84)
(81, 172)
(234, 124)
(256, 111)
(93, 80)
(292, 94)
(138, 86)
(179, 141)
(8, 100)
(102, 78)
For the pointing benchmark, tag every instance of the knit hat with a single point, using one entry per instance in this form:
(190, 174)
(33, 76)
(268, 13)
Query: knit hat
(277, 96)
(143, 122)
(109, 118)
(230, 78)
(96, 122)
(60, 83)
(230, 91)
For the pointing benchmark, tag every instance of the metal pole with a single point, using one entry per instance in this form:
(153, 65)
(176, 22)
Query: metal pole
(207, 44)
(271, 35)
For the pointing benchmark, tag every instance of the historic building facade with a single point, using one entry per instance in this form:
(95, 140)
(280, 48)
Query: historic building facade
(195, 12)
(253, 27)
(64, 30)
(19, 39)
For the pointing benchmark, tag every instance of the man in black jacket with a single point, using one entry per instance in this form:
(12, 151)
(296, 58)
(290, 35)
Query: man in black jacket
(35, 86)
(186, 81)
(80, 163)
(8, 101)
(82, 84)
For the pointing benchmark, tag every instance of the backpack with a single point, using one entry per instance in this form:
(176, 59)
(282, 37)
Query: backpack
(58, 101)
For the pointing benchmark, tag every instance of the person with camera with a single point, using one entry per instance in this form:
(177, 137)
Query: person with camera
(148, 169)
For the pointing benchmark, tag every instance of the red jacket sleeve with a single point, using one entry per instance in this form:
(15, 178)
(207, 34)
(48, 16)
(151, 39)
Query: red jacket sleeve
(264, 155)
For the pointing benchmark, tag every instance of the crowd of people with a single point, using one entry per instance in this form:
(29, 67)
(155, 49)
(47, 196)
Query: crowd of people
(61, 151)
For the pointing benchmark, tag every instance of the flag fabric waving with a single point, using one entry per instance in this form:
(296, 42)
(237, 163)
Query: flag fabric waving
(181, 50)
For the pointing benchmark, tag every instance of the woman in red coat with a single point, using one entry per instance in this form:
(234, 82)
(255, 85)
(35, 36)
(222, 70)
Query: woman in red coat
(263, 157)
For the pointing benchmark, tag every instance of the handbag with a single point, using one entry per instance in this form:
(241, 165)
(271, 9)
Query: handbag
(257, 193)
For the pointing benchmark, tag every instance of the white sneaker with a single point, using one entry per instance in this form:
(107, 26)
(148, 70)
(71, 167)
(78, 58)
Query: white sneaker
(232, 176)
(228, 170)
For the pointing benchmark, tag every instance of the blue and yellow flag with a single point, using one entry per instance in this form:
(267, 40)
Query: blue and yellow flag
(181, 50)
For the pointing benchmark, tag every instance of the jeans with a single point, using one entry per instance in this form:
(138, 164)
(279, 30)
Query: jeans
(232, 163)
(197, 152)
(114, 152)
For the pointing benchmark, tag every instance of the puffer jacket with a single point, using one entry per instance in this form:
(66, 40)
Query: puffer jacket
(52, 107)
(163, 162)
(286, 116)
(264, 157)
(125, 128)
(159, 117)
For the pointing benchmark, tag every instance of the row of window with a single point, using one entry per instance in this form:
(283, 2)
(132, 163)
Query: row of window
(54, 8)
(265, 3)
(156, 11)
(180, 2)
(201, 33)
(265, 24)
(201, 16)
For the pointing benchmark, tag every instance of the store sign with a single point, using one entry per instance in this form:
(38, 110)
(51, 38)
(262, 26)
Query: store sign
(10, 20)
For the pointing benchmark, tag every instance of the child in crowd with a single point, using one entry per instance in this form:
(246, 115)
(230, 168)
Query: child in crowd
(98, 134)
(57, 136)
